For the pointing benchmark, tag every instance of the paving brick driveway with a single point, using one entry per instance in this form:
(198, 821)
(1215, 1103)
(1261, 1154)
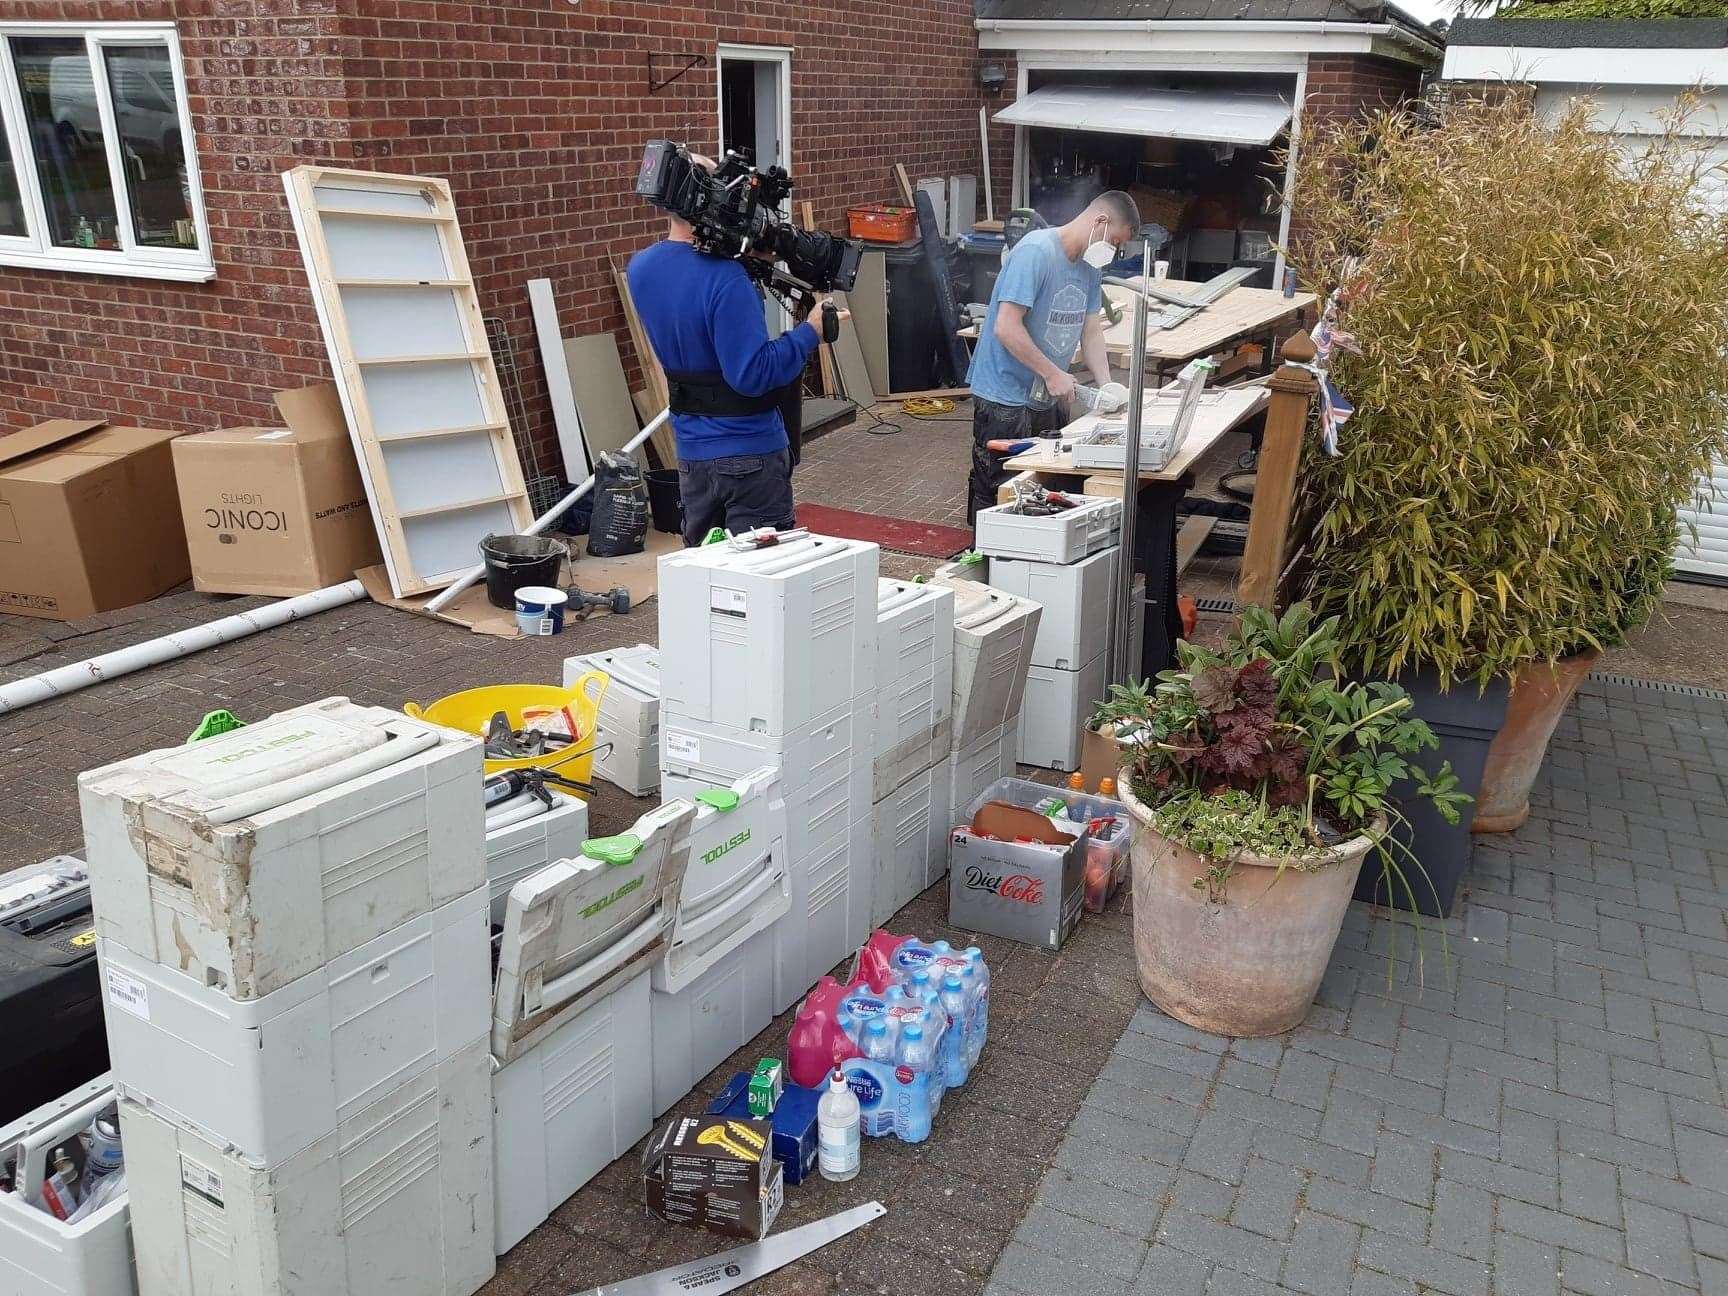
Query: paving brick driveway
(1546, 1116)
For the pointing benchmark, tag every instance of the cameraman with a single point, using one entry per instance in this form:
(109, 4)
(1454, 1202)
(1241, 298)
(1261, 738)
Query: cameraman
(727, 378)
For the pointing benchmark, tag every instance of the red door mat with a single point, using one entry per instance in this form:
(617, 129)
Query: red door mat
(902, 535)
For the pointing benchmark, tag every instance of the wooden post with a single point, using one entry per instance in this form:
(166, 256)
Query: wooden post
(1263, 559)
(824, 353)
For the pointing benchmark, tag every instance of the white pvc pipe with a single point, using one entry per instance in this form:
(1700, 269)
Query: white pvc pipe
(123, 661)
(547, 518)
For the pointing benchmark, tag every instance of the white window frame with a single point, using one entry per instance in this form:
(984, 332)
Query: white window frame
(36, 249)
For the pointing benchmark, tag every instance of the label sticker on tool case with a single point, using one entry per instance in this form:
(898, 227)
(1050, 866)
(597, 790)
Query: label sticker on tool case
(730, 601)
(128, 993)
(683, 746)
(201, 1179)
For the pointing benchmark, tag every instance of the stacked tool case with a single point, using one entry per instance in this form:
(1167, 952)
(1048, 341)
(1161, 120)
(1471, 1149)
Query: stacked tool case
(524, 835)
(627, 736)
(1066, 562)
(292, 922)
(914, 735)
(768, 658)
(993, 637)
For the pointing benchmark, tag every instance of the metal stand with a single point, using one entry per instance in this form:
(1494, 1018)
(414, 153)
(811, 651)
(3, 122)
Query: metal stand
(1122, 670)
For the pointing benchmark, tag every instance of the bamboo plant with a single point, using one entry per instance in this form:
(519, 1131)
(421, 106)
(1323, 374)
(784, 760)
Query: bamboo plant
(1541, 379)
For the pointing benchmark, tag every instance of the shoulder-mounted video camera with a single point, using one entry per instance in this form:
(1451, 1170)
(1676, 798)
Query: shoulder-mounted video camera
(735, 210)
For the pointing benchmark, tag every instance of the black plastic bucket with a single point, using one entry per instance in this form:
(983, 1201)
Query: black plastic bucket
(665, 503)
(513, 561)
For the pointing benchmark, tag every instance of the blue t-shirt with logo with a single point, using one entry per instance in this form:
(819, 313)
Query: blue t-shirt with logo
(1058, 295)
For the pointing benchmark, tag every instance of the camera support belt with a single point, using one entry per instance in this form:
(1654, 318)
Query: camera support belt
(699, 392)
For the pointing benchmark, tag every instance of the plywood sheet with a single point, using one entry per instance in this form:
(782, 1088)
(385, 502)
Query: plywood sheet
(1240, 313)
(854, 373)
(869, 302)
(601, 393)
(396, 301)
(664, 441)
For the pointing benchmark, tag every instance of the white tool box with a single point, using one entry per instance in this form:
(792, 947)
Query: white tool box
(571, 1017)
(911, 840)
(1076, 599)
(767, 640)
(1001, 531)
(714, 1016)
(1058, 704)
(974, 768)
(914, 680)
(994, 634)
(253, 858)
(628, 730)
(398, 1198)
(736, 883)
(826, 779)
(271, 1076)
(524, 835)
(39, 1254)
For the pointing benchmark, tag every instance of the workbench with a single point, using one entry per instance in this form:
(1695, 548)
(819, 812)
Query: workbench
(1160, 492)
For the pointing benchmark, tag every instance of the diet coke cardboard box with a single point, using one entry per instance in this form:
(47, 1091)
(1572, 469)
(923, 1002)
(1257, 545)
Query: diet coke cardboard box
(1015, 872)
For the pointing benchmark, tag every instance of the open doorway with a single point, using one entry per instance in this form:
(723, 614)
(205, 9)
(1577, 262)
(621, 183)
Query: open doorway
(756, 117)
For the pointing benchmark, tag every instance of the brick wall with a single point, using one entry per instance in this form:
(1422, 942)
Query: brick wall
(1349, 85)
(535, 110)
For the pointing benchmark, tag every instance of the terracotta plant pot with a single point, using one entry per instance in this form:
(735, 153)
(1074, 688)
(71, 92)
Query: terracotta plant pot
(1251, 964)
(1539, 694)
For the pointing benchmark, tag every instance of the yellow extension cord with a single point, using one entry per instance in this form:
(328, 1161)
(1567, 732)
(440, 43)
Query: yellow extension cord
(927, 406)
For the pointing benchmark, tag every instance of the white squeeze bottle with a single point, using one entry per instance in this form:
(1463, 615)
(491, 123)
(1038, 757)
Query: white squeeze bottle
(837, 1130)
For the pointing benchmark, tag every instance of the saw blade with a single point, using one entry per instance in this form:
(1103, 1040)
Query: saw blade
(730, 1270)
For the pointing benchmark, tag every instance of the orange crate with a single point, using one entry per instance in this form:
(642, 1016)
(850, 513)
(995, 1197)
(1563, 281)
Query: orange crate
(882, 222)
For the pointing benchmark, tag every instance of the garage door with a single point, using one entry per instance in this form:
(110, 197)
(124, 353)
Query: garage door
(1704, 555)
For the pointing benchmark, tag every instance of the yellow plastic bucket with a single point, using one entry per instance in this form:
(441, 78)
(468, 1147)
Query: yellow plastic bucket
(472, 710)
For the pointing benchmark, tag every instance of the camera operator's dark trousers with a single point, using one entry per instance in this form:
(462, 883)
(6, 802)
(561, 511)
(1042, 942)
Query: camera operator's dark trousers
(993, 422)
(739, 493)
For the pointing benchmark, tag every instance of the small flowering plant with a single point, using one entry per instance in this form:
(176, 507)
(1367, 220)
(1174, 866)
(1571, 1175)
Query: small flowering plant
(1264, 749)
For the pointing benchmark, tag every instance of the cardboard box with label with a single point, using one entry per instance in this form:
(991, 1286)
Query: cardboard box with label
(1012, 872)
(715, 1173)
(276, 510)
(88, 519)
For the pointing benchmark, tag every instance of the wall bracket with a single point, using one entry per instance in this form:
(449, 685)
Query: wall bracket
(657, 84)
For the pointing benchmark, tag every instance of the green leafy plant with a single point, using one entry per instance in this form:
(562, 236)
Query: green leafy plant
(1541, 379)
(1630, 9)
(1263, 748)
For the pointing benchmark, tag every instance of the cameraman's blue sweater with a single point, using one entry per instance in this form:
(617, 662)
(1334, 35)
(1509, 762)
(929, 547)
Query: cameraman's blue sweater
(703, 316)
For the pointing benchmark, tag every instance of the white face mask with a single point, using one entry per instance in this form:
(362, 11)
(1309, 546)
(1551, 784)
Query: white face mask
(1099, 253)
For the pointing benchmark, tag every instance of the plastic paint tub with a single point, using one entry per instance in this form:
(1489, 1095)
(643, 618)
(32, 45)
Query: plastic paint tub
(540, 610)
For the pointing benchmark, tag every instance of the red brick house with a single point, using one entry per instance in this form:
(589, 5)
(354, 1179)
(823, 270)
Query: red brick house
(148, 267)
(183, 302)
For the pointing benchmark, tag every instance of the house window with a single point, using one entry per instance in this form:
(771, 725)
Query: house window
(97, 172)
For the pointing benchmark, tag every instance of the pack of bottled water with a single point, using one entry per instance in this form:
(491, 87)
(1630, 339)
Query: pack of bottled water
(908, 1026)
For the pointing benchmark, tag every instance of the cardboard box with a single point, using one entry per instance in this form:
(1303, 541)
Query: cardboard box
(715, 1173)
(276, 510)
(88, 520)
(793, 1123)
(1009, 884)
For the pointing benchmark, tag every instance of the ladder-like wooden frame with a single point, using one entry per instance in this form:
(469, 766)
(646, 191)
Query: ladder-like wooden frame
(505, 509)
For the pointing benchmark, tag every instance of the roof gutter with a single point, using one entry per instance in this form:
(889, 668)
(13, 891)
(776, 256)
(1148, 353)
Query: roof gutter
(1150, 26)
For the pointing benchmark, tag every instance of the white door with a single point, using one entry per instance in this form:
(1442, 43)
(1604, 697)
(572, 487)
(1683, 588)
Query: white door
(755, 91)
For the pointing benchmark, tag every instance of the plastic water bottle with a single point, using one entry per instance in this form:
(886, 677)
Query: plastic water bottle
(878, 1042)
(956, 1051)
(982, 969)
(915, 1056)
(837, 1130)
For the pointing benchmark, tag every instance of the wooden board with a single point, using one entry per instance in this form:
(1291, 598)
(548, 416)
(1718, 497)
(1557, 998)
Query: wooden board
(665, 443)
(851, 368)
(824, 352)
(906, 190)
(602, 396)
(1238, 314)
(1211, 422)
(396, 301)
(869, 302)
(577, 460)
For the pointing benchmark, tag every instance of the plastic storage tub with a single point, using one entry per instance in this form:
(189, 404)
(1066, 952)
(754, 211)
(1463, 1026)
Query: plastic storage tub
(1001, 531)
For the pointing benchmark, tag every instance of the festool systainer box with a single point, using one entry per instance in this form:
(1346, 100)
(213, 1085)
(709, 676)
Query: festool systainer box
(712, 1017)
(524, 835)
(1058, 704)
(628, 731)
(397, 1198)
(975, 768)
(914, 680)
(250, 859)
(767, 640)
(44, 1256)
(571, 1023)
(994, 633)
(1076, 598)
(1066, 536)
(272, 1076)
(911, 840)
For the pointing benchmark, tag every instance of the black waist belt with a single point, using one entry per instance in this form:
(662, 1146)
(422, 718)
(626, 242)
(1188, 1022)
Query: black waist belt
(690, 392)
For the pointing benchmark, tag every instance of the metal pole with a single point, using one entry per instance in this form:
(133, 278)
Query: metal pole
(1125, 670)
